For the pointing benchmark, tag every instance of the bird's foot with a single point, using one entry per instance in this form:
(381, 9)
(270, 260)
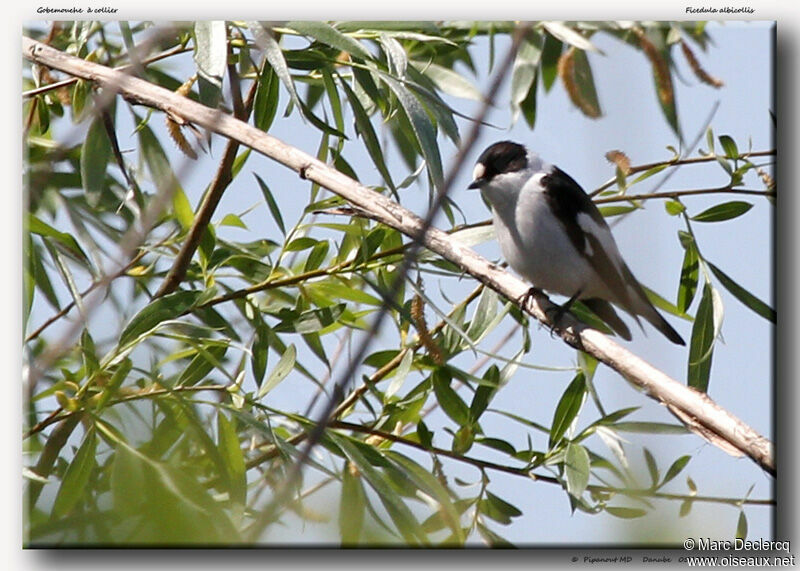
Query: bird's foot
(525, 298)
(556, 313)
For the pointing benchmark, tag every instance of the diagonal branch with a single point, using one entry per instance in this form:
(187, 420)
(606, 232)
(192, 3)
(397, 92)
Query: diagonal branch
(698, 410)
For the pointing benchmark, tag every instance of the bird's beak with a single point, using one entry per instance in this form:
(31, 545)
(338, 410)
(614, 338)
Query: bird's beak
(478, 176)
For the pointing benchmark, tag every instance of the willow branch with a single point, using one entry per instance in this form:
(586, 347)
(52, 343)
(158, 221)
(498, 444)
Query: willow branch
(697, 410)
(679, 193)
(679, 162)
(526, 472)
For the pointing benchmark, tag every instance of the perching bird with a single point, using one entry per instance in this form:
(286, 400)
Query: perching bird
(552, 234)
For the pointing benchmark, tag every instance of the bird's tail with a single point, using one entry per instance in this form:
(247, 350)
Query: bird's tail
(605, 311)
(662, 325)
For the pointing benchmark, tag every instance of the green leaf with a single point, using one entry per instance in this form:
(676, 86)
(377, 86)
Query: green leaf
(704, 332)
(609, 211)
(674, 207)
(428, 483)
(330, 36)
(485, 314)
(182, 208)
(334, 100)
(686, 507)
(211, 50)
(524, 72)
(645, 427)
(207, 359)
(396, 56)
(352, 508)
(79, 94)
(267, 98)
(310, 321)
(690, 272)
(497, 444)
(625, 513)
(675, 469)
(569, 36)
(463, 439)
(274, 55)
(449, 81)
(95, 152)
(260, 351)
(722, 212)
(274, 209)
(66, 242)
(729, 146)
(317, 255)
(423, 128)
(368, 135)
(576, 469)
(73, 486)
(176, 510)
(747, 298)
(401, 515)
(498, 509)
(233, 458)
(164, 308)
(232, 220)
(400, 374)
(741, 526)
(551, 52)
(567, 409)
(448, 399)
(159, 166)
(652, 467)
(484, 392)
(281, 371)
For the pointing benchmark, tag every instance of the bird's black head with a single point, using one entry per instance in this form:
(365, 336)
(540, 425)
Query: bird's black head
(499, 158)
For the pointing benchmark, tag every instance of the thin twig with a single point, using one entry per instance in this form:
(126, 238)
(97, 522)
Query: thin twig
(528, 474)
(222, 179)
(678, 193)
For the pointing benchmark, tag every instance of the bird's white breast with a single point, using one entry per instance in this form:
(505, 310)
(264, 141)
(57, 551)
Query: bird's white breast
(534, 242)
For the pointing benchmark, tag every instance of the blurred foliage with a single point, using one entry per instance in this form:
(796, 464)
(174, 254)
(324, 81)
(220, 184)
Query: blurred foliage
(155, 424)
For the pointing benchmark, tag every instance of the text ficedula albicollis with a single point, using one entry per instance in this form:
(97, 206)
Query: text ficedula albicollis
(553, 235)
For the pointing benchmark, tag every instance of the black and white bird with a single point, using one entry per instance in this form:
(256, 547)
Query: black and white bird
(552, 234)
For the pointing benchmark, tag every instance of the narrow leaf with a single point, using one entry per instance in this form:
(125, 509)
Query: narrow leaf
(274, 55)
(576, 469)
(448, 399)
(328, 35)
(274, 209)
(368, 135)
(211, 50)
(95, 152)
(675, 469)
(722, 212)
(652, 467)
(231, 451)
(747, 298)
(164, 308)
(265, 105)
(352, 508)
(690, 272)
(280, 372)
(423, 128)
(567, 409)
(704, 333)
(73, 486)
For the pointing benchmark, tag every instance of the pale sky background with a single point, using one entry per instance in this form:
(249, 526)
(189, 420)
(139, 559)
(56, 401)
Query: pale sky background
(633, 123)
